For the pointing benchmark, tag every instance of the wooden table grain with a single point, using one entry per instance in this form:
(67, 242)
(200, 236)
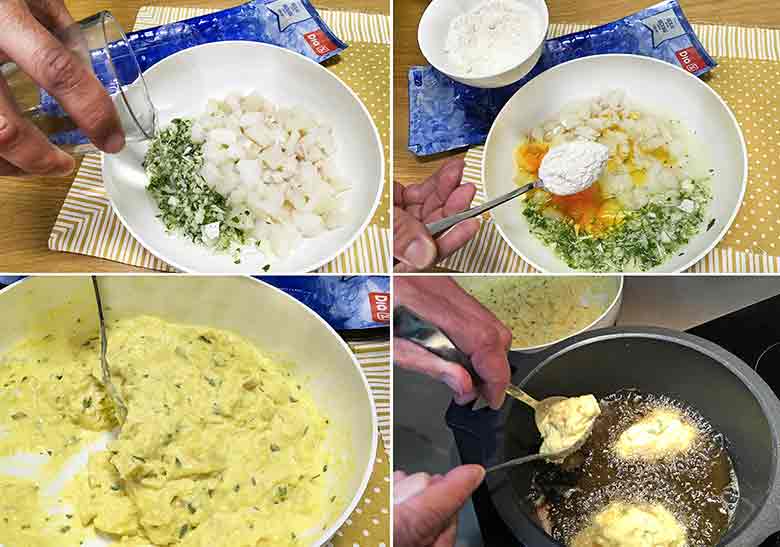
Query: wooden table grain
(29, 206)
(408, 169)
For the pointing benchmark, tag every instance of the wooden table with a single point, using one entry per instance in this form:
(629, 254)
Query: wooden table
(409, 169)
(29, 206)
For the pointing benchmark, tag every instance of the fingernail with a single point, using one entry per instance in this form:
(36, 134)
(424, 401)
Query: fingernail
(453, 384)
(420, 253)
(410, 487)
(115, 143)
(68, 164)
(478, 473)
(498, 403)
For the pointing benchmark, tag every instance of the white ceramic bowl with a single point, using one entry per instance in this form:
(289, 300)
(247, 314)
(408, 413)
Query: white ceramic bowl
(657, 86)
(242, 305)
(613, 294)
(181, 84)
(432, 37)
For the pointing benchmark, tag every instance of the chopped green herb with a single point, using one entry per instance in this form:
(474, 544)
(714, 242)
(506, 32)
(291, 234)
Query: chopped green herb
(644, 239)
(280, 494)
(186, 202)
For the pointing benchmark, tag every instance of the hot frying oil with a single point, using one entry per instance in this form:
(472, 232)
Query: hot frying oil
(699, 486)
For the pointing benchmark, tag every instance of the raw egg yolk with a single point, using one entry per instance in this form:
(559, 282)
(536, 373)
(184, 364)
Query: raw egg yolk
(529, 156)
(589, 210)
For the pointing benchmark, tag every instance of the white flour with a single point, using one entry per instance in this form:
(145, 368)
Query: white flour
(572, 167)
(494, 36)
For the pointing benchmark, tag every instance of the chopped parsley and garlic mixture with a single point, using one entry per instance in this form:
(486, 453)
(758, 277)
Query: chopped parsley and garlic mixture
(651, 200)
(222, 445)
(247, 175)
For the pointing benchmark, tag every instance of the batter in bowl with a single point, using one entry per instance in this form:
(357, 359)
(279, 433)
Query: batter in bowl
(223, 445)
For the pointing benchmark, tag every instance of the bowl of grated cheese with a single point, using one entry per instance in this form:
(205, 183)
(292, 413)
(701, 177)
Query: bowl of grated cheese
(486, 44)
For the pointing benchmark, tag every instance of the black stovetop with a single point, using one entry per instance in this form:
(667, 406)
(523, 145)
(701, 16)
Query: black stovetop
(752, 333)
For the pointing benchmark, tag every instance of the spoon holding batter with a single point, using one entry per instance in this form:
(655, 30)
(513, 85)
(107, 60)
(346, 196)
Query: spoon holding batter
(119, 405)
(565, 423)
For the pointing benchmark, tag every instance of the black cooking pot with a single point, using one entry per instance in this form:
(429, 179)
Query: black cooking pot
(715, 382)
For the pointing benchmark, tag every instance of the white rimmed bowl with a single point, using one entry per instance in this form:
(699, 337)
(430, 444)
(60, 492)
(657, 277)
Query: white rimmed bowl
(655, 85)
(432, 37)
(613, 294)
(180, 86)
(243, 305)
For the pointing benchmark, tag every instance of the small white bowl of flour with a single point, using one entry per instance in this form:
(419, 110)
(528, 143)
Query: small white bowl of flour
(483, 43)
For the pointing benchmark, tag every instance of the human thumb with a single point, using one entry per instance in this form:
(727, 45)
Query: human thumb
(412, 244)
(420, 519)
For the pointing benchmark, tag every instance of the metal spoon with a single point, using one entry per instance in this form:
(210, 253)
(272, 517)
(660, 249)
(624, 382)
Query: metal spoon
(410, 326)
(441, 226)
(119, 405)
(528, 459)
(557, 457)
(562, 150)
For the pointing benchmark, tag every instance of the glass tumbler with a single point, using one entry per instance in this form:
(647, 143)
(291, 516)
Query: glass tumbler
(102, 45)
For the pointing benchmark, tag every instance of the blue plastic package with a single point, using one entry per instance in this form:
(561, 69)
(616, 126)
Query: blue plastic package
(445, 114)
(346, 302)
(6, 280)
(291, 24)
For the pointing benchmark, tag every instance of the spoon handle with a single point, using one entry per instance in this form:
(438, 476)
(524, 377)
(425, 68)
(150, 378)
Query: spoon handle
(436, 228)
(524, 459)
(514, 391)
(516, 461)
(410, 326)
(119, 405)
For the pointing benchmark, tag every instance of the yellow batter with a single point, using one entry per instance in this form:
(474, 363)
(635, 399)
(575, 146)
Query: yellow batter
(632, 525)
(567, 422)
(222, 445)
(542, 309)
(663, 432)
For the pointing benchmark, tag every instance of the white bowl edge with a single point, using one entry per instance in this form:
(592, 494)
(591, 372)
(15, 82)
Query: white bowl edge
(239, 270)
(659, 269)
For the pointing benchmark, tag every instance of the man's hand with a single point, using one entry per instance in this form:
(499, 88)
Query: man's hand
(426, 508)
(471, 327)
(440, 196)
(28, 39)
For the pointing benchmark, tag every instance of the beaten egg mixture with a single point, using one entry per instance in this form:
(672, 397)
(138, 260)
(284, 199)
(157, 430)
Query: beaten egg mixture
(222, 444)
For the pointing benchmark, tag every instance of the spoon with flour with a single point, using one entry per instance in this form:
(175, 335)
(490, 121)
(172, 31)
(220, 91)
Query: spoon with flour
(566, 169)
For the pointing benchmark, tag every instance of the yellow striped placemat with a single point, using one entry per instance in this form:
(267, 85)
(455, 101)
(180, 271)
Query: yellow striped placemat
(88, 225)
(374, 357)
(748, 79)
(369, 524)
